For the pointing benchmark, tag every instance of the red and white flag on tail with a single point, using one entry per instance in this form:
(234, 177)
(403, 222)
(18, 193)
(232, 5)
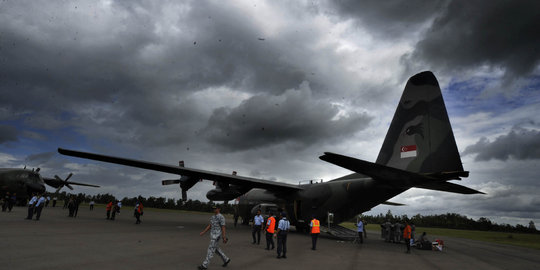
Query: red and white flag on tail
(408, 151)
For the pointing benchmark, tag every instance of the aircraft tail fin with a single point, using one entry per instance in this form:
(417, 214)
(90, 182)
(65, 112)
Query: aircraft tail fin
(419, 149)
(420, 138)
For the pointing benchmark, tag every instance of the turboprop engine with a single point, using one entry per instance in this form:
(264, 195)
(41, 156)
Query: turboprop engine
(185, 182)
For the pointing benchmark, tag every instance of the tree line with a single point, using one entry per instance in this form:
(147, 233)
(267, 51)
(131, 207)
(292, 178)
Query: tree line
(152, 202)
(451, 221)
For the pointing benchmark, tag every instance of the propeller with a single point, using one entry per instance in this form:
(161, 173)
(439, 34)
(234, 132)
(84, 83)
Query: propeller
(65, 182)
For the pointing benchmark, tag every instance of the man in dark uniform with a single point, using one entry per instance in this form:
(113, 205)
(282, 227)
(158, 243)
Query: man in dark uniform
(283, 229)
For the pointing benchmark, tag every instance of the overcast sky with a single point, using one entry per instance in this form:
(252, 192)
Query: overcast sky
(266, 87)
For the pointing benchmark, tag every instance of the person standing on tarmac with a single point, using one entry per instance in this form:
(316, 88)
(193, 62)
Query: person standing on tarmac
(258, 221)
(283, 229)
(31, 204)
(217, 231)
(39, 206)
(115, 209)
(407, 236)
(138, 212)
(269, 229)
(12, 201)
(315, 225)
(109, 208)
(360, 230)
(5, 203)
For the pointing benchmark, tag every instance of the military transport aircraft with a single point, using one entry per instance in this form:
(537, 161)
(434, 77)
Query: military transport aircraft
(24, 182)
(419, 151)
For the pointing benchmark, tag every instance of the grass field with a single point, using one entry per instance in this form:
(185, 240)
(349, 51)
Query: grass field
(515, 239)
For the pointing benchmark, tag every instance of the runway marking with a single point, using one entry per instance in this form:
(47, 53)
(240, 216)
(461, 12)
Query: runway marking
(179, 227)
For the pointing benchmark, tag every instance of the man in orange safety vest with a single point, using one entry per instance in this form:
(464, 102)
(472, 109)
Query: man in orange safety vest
(315, 225)
(270, 227)
(407, 236)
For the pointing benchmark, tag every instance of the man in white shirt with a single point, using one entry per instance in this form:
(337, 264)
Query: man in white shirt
(31, 204)
(39, 206)
(258, 221)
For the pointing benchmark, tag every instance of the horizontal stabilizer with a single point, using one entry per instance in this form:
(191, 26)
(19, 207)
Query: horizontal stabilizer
(394, 177)
(448, 175)
(82, 184)
(450, 187)
(393, 203)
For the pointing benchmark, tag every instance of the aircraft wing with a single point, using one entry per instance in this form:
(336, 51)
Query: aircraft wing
(242, 181)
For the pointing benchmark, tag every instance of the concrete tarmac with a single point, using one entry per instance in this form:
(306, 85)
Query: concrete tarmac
(170, 240)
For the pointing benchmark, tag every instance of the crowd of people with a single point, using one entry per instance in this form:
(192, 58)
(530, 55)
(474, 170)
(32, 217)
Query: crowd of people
(38, 201)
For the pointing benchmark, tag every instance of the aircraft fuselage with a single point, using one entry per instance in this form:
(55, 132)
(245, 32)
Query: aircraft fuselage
(21, 181)
(344, 198)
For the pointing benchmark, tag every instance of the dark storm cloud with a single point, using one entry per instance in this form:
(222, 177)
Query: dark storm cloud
(467, 35)
(470, 34)
(113, 70)
(8, 133)
(519, 143)
(390, 19)
(294, 117)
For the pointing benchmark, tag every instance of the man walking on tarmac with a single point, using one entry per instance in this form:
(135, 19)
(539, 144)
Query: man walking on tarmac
(269, 229)
(108, 208)
(138, 212)
(315, 225)
(217, 231)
